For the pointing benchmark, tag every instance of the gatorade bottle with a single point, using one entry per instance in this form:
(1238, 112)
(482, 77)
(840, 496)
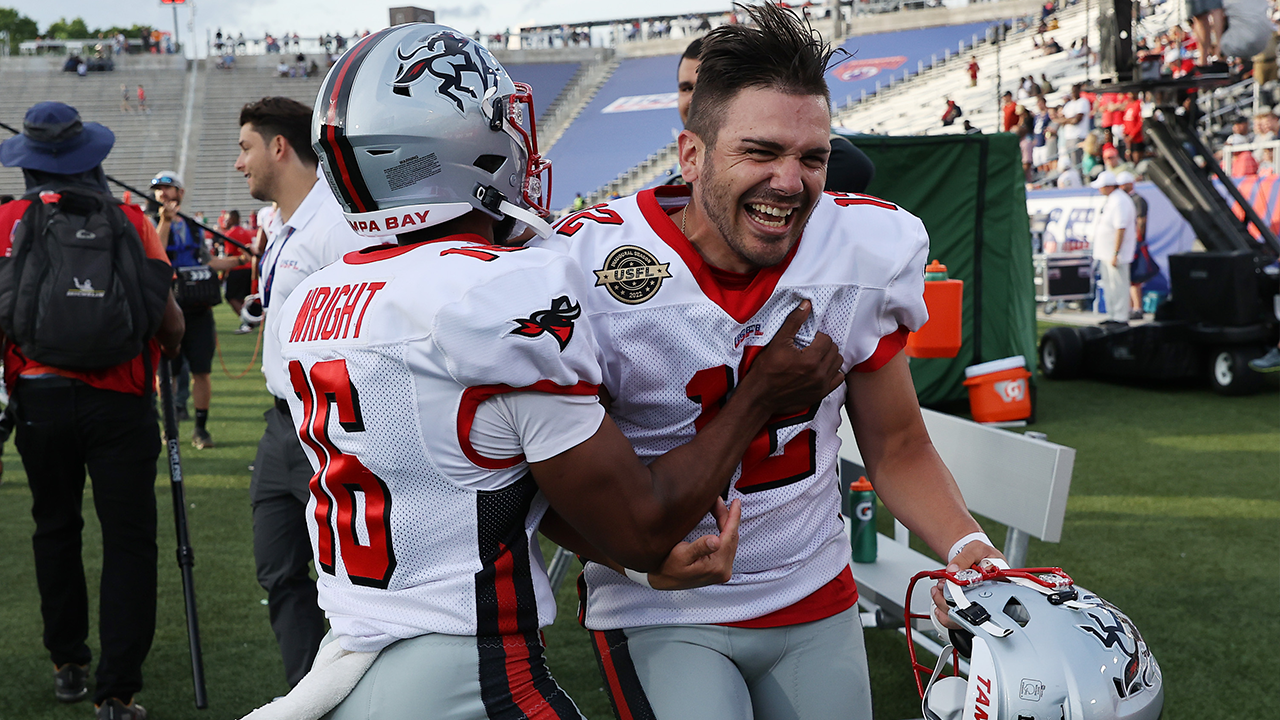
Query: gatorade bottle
(941, 336)
(862, 498)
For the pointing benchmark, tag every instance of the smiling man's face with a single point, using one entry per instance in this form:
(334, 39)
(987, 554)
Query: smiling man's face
(760, 179)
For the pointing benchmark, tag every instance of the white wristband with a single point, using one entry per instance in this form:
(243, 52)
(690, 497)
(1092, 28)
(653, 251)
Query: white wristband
(638, 577)
(971, 537)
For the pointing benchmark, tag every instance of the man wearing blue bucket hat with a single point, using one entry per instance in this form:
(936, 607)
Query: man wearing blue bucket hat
(89, 408)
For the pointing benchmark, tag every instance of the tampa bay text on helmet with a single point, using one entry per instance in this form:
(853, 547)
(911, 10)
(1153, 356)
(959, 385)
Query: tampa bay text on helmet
(416, 125)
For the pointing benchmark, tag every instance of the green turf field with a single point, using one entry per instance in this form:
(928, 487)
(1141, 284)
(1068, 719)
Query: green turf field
(1174, 515)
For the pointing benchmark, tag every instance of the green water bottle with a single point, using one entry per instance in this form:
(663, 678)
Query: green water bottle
(862, 500)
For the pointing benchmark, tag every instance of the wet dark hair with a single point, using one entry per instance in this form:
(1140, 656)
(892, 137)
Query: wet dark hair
(693, 51)
(781, 52)
(272, 116)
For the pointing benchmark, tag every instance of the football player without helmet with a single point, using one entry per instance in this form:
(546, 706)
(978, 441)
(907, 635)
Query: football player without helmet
(1039, 648)
(423, 135)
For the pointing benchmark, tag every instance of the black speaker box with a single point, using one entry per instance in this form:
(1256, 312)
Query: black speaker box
(1218, 288)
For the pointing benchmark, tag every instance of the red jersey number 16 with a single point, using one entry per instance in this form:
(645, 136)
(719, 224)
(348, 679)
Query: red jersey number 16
(343, 483)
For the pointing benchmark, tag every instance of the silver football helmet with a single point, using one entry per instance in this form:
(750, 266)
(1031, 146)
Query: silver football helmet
(1041, 648)
(417, 124)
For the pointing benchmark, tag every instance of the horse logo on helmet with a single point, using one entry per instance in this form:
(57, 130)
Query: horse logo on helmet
(444, 56)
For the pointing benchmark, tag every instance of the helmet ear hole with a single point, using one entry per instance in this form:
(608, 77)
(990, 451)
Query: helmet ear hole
(1017, 612)
(490, 163)
(962, 640)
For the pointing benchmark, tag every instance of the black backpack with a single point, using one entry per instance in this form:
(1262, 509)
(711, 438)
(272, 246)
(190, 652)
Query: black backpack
(77, 291)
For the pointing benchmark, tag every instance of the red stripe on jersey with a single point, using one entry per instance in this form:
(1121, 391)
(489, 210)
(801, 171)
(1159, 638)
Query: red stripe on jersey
(741, 304)
(505, 588)
(611, 675)
(833, 598)
(473, 396)
(374, 253)
(890, 345)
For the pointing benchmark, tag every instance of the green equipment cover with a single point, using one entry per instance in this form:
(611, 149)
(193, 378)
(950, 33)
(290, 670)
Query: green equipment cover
(969, 191)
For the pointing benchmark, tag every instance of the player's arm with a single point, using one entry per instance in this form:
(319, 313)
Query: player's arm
(902, 464)
(707, 560)
(635, 513)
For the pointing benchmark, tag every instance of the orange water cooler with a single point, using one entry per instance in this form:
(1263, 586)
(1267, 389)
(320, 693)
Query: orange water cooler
(940, 337)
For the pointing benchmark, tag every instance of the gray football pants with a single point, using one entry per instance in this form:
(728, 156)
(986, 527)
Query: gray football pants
(457, 677)
(813, 671)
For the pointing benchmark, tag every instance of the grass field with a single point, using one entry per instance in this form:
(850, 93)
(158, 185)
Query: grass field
(1174, 515)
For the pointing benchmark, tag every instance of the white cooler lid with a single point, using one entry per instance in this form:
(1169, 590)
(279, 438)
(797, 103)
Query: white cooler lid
(995, 366)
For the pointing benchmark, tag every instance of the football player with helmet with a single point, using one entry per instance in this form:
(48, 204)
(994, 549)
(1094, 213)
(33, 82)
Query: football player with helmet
(445, 390)
(686, 284)
(1039, 648)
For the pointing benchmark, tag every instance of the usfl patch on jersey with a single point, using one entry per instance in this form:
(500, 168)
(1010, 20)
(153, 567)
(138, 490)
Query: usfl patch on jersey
(632, 275)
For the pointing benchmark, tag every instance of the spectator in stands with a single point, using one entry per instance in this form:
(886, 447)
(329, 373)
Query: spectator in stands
(969, 129)
(973, 70)
(578, 202)
(103, 421)
(1046, 87)
(1076, 122)
(1008, 112)
(1240, 134)
(282, 68)
(142, 100)
(1265, 124)
(1039, 128)
(1024, 127)
(1131, 122)
(124, 99)
(952, 112)
(1068, 176)
(686, 78)
(1052, 48)
(1207, 24)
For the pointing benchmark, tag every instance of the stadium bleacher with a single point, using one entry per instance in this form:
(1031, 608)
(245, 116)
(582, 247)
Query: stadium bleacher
(548, 80)
(633, 114)
(872, 59)
(146, 143)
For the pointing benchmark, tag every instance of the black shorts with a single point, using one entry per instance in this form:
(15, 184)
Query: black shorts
(198, 343)
(238, 283)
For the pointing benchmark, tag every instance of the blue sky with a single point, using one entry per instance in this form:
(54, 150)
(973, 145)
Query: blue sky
(314, 17)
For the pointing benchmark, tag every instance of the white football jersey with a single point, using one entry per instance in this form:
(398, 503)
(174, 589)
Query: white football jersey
(391, 352)
(675, 341)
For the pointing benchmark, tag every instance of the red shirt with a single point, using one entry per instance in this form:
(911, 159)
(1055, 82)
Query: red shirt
(1110, 117)
(1010, 115)
(129, 377)
(243, 235)
(1132, 121)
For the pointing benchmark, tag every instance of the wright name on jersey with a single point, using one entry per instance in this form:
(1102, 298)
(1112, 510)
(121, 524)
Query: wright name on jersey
(676, 336)
(400, 359)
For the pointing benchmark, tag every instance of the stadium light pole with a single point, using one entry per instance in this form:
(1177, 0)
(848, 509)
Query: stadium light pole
(177, 42)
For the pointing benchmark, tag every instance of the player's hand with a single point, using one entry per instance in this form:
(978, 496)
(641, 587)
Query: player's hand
(791, 375)
(975, 553)
(705, 561)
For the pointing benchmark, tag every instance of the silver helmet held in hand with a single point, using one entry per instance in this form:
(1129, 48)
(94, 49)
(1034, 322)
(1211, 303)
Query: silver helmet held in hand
(418, 124)
(1040, 648)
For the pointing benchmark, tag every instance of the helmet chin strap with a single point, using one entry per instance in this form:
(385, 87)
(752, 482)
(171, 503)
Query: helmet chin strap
(532, 220)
